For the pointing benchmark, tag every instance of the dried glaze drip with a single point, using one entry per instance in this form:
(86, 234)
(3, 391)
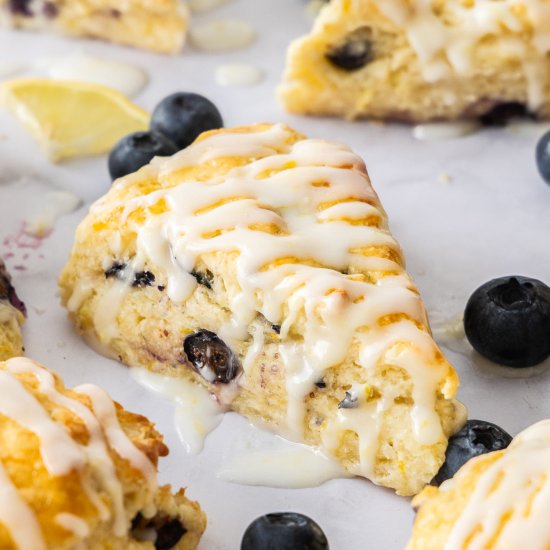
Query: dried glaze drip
(62, 455)
(511, 499)
(282, 213)
(443, 48)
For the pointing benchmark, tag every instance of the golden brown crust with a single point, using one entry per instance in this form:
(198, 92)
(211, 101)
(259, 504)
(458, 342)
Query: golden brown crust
(147, 328)
(392, 84)
(157, 25)
(49, 495)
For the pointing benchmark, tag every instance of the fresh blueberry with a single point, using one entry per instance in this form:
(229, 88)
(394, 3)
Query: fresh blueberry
(183, 116)
(136, 150)
(211, 357)
(476, 438)
(284, 531)
(543, 157)
(507, 320)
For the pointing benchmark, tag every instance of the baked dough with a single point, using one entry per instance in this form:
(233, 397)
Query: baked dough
(79, 471)
(12, 315)
(158, 25)
(422, 60)
(497, 501)
(259, 264)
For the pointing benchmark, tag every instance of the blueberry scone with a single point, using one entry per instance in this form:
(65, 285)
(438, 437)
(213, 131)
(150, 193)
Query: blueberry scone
(79, 471)
(12, 315)
(259, 264)
(500, 500)
(422, 60)
(158, 25)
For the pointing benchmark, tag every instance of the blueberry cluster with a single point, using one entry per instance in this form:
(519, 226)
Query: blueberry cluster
(175, 123)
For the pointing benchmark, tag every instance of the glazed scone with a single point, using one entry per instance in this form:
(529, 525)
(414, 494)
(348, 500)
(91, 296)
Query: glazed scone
(158, 25)
(497, 501)
(79, 471)
(416, 60)
(12, 315)
(259, 264)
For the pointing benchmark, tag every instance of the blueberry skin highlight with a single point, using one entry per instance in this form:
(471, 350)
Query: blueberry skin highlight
(183, 116)
(507, 320)
(476, 438)
(284, 531)
(136, 150)
(542, 156)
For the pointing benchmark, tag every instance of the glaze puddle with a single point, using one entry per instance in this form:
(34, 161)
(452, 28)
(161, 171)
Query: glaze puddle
(196, 411)
(238, 74)
(272, 461)
(124, 77)
(222, 35)
(444, 130)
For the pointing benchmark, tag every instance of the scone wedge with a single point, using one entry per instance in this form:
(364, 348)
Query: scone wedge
(157, 25)
(79, 471)
(12, 316)
(422, 60)
(259, 264)
(500, 500)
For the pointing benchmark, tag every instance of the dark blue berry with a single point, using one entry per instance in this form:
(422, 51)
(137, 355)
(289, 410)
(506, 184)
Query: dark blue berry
(284, 531)
(136, 150)
(476, 438)
(507, 320)
(20, 7)
(143, 279)
(169, 534)
(543, 157)
(211, 357)
(183, 116)
(354, 52)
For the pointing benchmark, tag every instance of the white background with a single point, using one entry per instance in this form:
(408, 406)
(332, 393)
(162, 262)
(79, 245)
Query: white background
(491, 219)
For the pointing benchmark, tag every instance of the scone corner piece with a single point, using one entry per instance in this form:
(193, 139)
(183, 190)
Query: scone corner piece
(93, 462)
(159, 25)
(413, 61)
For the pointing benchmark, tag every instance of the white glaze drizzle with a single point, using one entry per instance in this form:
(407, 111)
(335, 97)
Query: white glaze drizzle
(443, 48)
(61, 454)
(105, 412)
(511, 500)
(309, 191)
(73, 524)
(196, 412)
(15, 513)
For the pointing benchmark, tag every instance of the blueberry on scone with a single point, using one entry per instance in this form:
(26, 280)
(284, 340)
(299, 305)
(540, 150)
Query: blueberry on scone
(136, 150)
(476, 438)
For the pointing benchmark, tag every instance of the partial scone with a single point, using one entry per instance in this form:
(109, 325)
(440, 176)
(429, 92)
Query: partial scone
(500, 500)
(259, 263)
(12, 316)
(416, 60)
(158, 25)
(79, 471)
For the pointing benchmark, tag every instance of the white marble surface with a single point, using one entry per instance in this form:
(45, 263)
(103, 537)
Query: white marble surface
(465, 210)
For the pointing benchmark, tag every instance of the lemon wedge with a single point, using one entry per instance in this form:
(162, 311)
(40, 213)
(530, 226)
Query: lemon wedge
(71, 119)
